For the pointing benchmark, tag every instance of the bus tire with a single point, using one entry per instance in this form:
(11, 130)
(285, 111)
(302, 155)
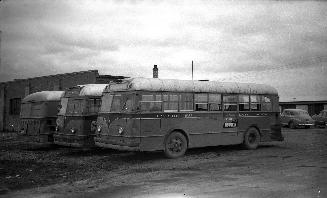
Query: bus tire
(175, 145)
(251, 138)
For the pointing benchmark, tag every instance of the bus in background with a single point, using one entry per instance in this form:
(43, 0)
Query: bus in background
(38, 117)
(79, 109)
(173, 115)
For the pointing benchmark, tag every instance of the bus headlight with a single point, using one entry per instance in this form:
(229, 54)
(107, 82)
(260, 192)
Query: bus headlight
(73, 130)
(22, 131)
(120, 130)
(99, 128)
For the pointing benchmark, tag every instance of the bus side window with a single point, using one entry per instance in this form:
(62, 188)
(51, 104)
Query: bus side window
(151, 103)
(244, 103)
(201, 102)
(255, 103)
(186, 102)
(215, 102)
(266, 104)
(230, 102)
(170, 102)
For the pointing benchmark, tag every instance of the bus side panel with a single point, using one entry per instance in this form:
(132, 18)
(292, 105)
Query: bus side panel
(259, 120)
(151, 136)
(267, 123)
(203, 130)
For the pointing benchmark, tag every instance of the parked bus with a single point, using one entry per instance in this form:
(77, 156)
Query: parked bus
(173, 115)
(79, 109)
(38, 117)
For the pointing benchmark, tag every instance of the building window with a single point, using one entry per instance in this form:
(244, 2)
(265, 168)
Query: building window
(14, 106)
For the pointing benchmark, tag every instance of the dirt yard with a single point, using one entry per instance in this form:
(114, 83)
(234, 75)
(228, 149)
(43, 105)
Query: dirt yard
(296, 167)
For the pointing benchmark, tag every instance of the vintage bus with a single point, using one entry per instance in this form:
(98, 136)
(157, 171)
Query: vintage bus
(143, 114)
(79, 109)
(38, 117)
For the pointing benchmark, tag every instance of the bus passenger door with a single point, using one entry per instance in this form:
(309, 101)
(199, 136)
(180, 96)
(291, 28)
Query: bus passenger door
(151, 138)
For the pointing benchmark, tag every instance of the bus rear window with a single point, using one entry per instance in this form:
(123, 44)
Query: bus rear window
(266, 104)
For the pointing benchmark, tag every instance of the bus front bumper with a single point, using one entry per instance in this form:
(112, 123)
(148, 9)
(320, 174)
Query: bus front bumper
(37, 140)
(107, 144)
(73, 140)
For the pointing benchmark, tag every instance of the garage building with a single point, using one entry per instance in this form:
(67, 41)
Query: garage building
(12, 92)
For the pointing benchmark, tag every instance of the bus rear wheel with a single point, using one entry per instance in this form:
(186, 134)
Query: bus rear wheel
(251, 138)
(175, 145)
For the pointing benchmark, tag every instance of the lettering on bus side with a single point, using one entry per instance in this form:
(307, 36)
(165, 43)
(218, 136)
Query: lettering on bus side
(230, 122)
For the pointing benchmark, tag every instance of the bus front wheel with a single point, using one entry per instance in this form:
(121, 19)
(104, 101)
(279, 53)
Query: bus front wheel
(175, 145)
(251, 138)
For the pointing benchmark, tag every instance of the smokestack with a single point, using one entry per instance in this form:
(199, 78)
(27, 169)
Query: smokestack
(155, 71)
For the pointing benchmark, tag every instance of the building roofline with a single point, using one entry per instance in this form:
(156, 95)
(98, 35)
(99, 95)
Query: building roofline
(55, 75)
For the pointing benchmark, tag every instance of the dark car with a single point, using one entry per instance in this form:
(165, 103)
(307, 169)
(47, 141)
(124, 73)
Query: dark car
(320, 119)
(296, 118)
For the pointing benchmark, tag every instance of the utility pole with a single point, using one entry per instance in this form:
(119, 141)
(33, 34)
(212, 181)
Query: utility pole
(192, 69)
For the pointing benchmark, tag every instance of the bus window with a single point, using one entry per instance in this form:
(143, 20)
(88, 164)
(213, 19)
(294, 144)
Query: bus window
(25, 110)
(106, 102)
(93, 105)
(36, 109)
(255, 103)
(266, 104)
(170, 102)
(201, 102)
(215, 102)
(244, 103)
(151, 103)
(75, 106)
(186, 102)
(230, 102)
(63, 106)
(116, 103)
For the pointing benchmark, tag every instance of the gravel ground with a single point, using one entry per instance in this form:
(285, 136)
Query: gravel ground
(296, 167)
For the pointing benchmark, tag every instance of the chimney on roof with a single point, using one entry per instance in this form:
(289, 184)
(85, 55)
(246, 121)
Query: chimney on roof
(155, 71)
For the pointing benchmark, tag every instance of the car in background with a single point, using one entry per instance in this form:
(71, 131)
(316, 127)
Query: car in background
(320, 119)
(294, 118)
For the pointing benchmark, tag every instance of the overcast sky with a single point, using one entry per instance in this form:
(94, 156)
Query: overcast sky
(281, 43)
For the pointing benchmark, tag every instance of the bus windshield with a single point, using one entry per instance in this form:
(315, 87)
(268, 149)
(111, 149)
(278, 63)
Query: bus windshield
(25, 110)
(33, 110)
(117, 102)
(63, 106)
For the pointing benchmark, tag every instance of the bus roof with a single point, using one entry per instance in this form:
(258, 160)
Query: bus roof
(92, 89)
(173, 85)
(44, 96)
